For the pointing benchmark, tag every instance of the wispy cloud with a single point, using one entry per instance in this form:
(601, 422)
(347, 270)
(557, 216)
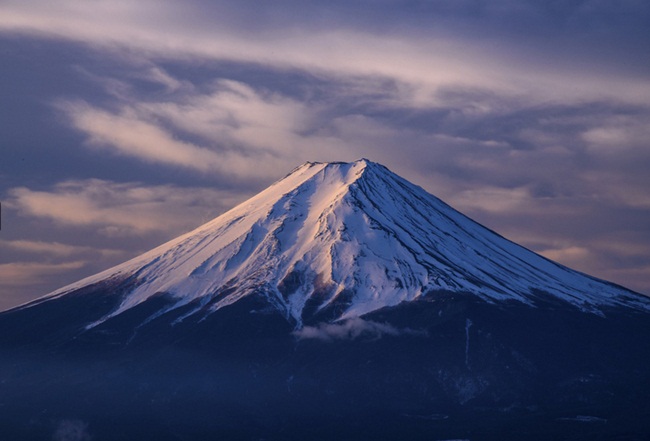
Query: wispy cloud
(23, 281)
(246, 122)
(619, 136)
(351, 329)
(55, 249)
(224, 131)
(131, 136)
(117, 209)
(621, 260)
(21, 273)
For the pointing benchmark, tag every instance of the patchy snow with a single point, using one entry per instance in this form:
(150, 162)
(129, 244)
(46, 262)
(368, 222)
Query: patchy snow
(335, 228)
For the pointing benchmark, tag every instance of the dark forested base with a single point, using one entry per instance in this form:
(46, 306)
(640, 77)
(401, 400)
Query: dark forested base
(453, 368)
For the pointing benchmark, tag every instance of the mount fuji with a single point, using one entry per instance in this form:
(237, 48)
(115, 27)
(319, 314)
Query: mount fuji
(342, 302)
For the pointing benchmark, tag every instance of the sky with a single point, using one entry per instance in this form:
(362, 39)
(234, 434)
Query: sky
(124, 124)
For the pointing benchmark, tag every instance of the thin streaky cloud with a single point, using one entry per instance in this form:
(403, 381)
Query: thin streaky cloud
(30, 273)
(122, 209)
(56, 248)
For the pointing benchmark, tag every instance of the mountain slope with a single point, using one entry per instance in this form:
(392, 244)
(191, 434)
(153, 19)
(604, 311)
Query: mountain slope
(342, 240)
(341, 303)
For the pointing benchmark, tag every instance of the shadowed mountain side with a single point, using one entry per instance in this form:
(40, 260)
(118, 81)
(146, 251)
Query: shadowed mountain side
(453, 368)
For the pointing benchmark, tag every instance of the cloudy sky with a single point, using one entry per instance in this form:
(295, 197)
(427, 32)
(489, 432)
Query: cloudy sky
(126, 123)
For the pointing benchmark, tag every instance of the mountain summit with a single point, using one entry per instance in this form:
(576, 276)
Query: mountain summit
(339, 240)
(342, 302)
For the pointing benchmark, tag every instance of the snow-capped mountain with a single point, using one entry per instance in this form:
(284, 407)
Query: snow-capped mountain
(342, 302)
(347, 239)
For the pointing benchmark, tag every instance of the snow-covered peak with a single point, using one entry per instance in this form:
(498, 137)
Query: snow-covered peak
(351, 238)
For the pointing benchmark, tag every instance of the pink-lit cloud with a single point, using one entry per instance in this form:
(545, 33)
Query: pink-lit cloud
(119, 209)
